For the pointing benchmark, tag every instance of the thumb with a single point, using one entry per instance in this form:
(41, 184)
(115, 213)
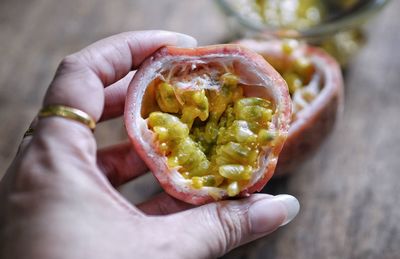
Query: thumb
(219, 227)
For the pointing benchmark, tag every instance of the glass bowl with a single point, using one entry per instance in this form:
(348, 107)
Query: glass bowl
(335, 20)
(335, 25)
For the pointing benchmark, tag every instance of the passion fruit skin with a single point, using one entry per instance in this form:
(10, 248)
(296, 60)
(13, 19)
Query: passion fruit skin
(314, 123)
(143, 140)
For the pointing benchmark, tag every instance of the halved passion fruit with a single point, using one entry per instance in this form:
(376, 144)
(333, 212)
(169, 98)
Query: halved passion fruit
(209, 122)
(316, 88)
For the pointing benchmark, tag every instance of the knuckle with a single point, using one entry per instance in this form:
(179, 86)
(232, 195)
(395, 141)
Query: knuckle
(73, 84)
(70, 63)
(232, 225)
(71, 68)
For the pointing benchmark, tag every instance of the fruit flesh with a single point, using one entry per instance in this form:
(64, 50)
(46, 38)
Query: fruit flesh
(291, 13)
(297, 14)
(207, 128)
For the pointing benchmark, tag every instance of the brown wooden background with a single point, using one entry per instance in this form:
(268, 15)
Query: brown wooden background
(349, 192)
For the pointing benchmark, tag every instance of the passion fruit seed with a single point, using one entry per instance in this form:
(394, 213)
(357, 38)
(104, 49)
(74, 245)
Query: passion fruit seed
(233, 189)
(257, 111)
(229, 92)
(166, 99)
(239, 131)
(207, 180)
(304, 68)
(293, 81)
(266, 137)
(219, 136)
(195, 105)
(168, 125)
(290, 15)
(289, 45)
(236, 172)
(236, 153)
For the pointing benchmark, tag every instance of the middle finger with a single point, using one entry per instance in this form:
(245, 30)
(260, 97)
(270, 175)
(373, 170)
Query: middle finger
(120, 163)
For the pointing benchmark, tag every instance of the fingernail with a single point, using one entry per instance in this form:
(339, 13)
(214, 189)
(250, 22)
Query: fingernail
(292, 206)
(268, 214)
(186, 41)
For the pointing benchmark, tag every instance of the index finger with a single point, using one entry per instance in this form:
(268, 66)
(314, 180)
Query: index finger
(81, 77)
(79, 83)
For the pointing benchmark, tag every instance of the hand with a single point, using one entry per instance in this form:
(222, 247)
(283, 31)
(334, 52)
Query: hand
(58, 200)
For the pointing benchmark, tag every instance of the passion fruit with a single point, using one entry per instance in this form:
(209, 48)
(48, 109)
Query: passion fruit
(316, 87)
(209, 122)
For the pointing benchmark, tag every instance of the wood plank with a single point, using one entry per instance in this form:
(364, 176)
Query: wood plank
(348, 191)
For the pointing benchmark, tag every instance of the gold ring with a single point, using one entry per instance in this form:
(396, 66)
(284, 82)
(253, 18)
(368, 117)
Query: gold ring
(29, 132)
(68, 113)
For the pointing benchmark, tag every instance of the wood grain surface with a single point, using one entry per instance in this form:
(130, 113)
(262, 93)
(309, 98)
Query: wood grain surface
(349, 191)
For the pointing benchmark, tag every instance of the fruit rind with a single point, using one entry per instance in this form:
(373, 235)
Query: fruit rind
(252, 68)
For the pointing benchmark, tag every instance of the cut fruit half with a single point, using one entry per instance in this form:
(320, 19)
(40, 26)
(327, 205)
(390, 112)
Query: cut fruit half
(316, 87)
(209, 122)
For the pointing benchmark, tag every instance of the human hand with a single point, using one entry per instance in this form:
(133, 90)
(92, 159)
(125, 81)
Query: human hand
(58, 200)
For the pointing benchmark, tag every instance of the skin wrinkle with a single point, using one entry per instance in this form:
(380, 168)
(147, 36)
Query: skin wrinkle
(214, 239)
(106, 72)
(122, 57)
(68, 65)
(233, 224)
(135, 43)
(110, 70)
(218, 228)
(217, 214)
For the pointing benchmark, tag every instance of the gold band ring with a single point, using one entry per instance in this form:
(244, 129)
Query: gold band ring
(29, 132)
(68, 113)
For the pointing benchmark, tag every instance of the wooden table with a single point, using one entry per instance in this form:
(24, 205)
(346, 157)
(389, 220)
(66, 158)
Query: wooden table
(349, 192)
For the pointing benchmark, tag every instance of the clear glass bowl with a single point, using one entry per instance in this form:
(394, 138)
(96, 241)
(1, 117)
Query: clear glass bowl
(348, 18)
(337, 30)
